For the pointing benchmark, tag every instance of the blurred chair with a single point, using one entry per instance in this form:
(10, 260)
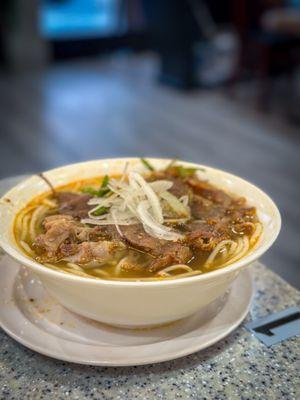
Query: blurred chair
(264, 51)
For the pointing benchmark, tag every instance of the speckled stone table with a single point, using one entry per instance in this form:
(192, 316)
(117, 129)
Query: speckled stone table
(238, 367)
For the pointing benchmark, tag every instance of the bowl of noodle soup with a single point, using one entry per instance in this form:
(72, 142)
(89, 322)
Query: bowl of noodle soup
(167, 289)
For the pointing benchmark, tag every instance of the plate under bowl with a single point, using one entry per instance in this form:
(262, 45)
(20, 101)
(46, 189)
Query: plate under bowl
(32, 317)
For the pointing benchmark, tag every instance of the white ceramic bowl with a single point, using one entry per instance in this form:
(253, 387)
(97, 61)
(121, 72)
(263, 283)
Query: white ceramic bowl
(129, 303)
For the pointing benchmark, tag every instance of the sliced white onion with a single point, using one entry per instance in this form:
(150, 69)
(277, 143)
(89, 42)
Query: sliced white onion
(137, 201)
(110, 221)
(175, 204)
(113, 215)
(161, 186)
(154, 228)
(104, 201)
(151, 195)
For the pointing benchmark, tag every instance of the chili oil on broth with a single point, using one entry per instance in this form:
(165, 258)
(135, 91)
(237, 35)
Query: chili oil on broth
(28, 225)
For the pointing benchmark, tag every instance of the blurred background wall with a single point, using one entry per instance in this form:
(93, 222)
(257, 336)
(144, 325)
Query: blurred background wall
(211, 81)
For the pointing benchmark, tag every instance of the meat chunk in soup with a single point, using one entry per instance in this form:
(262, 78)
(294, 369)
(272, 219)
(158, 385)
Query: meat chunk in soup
(85, 252)
(164, 252)
(74, 204)
(61, 229)
(169, 254)
(209, 192)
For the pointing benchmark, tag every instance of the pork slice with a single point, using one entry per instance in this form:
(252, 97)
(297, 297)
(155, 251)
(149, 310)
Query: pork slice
(74, 204)
(86, 252)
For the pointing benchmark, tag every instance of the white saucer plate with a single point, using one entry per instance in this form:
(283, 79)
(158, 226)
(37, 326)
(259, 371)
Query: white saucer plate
(32, 317)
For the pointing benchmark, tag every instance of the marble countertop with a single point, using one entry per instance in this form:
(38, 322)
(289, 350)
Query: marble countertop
(238, 367)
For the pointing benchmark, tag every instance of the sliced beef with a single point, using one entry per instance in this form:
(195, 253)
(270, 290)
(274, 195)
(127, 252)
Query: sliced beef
(203, 208)
(179, 188)
(74, 204)
(209, 192)
(136, 236)
(169, 254)
(207, 234)
(242, 214)
(164, 252)
(86, 252)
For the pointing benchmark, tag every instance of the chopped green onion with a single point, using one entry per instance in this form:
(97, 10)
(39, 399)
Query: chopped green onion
(187, 171)
(104, 189)
(100, 192)
(100, 211)
(105, 181)
(147, 164)
(90, 190)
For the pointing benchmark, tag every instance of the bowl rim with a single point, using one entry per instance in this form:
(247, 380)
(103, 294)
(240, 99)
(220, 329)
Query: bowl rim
(16, 253)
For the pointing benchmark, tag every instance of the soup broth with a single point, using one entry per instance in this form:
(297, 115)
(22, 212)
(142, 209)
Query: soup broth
(156, 225)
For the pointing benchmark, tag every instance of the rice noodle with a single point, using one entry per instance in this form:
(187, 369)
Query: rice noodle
(27, 248)
(100, 272)
(167, 270)
(75, 272)
(49, 203)
(36, 215)
(256, 234)
(223, 253)
(74, 266)
(241, 250)
(55, 267)
(24, 230)
(193, 272)
(211, 258)
(21, 215)
(118, 268)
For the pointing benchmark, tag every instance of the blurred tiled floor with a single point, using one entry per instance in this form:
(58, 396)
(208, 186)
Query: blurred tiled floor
(94, 109)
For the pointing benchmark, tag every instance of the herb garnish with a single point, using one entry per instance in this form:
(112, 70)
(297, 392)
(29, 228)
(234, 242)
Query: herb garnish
(100, 192)
(147, 164)
(184, 172)
(100, 211)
